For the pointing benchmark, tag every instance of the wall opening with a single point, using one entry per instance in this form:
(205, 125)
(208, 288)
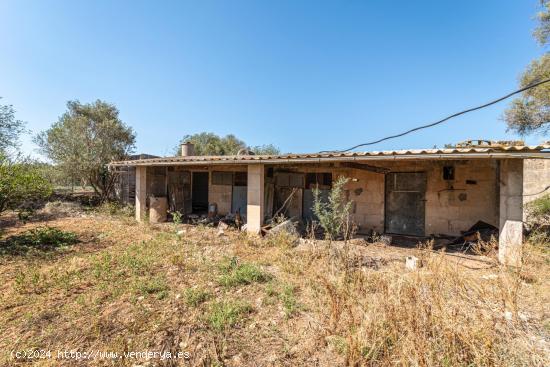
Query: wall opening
(199, 197)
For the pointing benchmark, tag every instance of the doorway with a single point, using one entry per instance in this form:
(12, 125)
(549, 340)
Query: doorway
(179, 191)
(199, 196)
(405, 203)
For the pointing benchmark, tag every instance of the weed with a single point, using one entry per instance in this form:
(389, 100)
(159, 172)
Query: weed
(194, 297)
(234, 274)
(177, 218)
(102, 266)
(225, 314)
(270, 290)
(156, 286)
(333, 214)
(29, 281)
(288, 299)
(116, 209)
(540, 206)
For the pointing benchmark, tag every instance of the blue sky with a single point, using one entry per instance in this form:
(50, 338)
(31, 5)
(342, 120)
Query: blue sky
(302, 75)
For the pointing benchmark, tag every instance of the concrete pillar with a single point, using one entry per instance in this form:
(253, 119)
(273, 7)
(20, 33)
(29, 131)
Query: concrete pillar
(255, 198)
(511, 212)
(141, 193)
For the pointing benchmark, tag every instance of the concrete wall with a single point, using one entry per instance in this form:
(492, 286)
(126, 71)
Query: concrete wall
(451, 206)
(222, 194)
(448, 210)
(255, 197)
(510, 241)
(536, 177)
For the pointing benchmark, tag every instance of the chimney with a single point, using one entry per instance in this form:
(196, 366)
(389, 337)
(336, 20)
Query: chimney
(187, 149)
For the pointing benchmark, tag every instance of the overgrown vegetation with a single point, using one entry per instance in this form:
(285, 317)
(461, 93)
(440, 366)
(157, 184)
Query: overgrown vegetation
(541, 206)
(240, 300)
(333, 214)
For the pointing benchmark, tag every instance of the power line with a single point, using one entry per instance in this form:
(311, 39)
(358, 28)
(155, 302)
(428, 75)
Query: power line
(537, 193)
(530, 86)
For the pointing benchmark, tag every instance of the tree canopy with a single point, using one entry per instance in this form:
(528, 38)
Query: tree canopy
(211, 144)
(85, 139)
(530, 113)
(10, 128)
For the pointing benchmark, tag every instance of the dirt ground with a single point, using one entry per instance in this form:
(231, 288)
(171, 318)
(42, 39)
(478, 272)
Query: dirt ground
(233, 299)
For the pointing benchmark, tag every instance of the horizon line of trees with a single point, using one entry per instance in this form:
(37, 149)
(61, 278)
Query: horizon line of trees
(80, 145)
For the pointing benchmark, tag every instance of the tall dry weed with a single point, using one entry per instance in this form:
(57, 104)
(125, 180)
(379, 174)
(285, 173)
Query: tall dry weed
(438, 315)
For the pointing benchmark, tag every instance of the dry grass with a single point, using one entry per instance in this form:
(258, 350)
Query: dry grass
(238, 300)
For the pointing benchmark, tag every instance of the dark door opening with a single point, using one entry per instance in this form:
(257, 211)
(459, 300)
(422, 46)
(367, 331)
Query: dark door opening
(405, 203)
(199, 195)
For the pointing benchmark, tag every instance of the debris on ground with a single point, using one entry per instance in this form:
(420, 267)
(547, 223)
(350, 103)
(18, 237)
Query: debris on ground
(66, 208)
(287, 226)
(385, 239)
(412, 263)
(366, 261)
(481, 231)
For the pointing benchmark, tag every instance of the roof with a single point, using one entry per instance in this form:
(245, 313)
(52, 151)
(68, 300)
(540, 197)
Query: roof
(524, 151)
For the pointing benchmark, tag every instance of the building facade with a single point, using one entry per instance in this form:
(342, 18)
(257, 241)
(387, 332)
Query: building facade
(408, 192)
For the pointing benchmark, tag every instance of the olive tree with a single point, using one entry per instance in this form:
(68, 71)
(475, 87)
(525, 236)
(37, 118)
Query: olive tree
(10, 128)
(211, 144)
(530, 113)
(84, 140)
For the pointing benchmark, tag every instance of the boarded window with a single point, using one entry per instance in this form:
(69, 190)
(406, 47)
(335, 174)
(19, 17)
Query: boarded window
(240, 179)
(222, 178)
(287, 179)
(323, 179)
(156, 184)
(448, 173)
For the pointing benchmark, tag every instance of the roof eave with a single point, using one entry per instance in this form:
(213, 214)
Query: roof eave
(362, 158)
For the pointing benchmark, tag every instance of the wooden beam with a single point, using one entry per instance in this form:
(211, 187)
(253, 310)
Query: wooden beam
(365, 167)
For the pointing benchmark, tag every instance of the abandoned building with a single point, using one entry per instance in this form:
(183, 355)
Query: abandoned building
(405, 192)
(125, 186)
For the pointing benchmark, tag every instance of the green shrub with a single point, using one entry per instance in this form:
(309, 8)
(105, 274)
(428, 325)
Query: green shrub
(234, 274)
(20, 184)
(41, 239)
(225, 314)
(332, 214)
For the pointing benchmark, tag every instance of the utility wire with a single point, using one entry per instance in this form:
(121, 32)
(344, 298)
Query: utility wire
(530, 86)
(537, 193)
